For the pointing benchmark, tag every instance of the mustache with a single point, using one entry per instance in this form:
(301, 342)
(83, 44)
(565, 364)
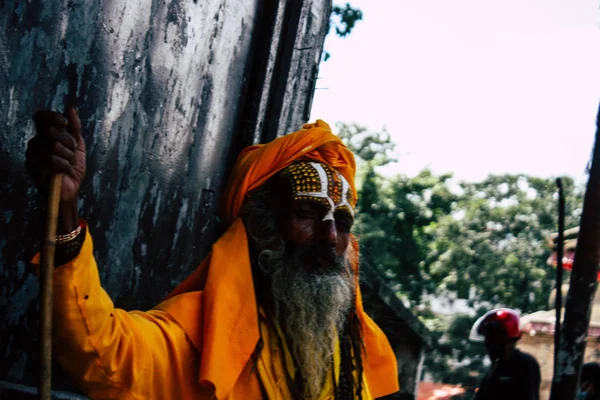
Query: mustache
(318, 254)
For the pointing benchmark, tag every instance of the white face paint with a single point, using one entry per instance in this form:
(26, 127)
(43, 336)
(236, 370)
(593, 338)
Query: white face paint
(325, 195)
(345, 192)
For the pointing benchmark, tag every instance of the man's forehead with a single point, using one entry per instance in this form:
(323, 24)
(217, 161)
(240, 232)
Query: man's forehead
(312, 180)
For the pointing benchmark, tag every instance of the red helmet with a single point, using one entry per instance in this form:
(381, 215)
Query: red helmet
(499, 318)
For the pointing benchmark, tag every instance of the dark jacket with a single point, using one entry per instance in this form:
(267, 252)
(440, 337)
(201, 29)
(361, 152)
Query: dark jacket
(517, 378)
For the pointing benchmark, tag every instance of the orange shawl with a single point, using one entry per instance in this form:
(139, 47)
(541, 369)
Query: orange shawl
(228, 331)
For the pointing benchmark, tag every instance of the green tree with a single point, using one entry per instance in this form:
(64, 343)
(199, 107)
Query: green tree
(492, 248)
(413, 205)
(343, 19)
(373, 147)
(494, 244)
(394, 213)
(482, 241)
(455, 359)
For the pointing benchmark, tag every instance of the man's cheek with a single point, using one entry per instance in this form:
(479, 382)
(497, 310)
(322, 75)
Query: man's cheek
(300, 231)
(342, 245)
(306, 234)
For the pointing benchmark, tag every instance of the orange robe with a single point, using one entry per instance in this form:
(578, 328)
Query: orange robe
(199, 342)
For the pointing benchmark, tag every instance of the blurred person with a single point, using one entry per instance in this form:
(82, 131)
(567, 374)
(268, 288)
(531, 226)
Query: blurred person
(514, 375)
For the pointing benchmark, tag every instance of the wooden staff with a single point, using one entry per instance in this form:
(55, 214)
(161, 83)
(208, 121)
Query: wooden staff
(47, 259)
(46, 273)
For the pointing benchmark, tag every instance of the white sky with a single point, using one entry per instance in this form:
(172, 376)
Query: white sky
(471, 86)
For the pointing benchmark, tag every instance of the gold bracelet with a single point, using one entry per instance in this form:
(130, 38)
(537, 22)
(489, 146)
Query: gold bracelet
(60, 239)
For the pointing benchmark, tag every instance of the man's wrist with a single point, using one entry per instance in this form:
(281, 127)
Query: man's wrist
(68, 217)
(69, 248)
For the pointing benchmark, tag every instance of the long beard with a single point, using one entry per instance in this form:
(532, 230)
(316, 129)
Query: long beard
(311, 307)
(311, 303)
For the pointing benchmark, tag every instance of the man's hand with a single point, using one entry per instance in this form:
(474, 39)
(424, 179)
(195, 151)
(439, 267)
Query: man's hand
(58, 148)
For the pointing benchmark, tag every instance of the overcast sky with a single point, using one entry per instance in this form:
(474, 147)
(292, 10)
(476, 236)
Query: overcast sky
(471, 86)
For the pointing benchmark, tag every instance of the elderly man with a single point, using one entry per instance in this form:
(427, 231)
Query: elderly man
(274, 311)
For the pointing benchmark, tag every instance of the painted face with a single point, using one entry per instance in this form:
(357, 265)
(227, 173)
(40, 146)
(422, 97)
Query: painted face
(320, 211)
(321, 183)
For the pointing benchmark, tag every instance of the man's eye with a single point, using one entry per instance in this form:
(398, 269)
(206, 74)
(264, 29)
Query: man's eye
(344, 225)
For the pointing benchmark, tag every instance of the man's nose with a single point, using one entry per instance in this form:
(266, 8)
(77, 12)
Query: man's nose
(328, 232)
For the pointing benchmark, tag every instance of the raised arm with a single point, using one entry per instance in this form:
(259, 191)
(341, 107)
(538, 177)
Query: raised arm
(112, 353)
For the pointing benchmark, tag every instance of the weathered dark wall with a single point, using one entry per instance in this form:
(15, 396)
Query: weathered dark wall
(168, 93)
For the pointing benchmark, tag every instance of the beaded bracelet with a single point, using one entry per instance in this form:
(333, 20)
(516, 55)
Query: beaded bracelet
(69, 236)
(68, 246)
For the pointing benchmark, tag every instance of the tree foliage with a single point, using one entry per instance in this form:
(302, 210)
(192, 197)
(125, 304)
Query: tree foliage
(373, 147)
(393, 223)
(493, 247)
(455, 357)
(343, 19)
(482, 241)
(394, 213)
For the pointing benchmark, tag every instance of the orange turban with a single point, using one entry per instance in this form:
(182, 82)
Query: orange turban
(256, 164)
(221, 291)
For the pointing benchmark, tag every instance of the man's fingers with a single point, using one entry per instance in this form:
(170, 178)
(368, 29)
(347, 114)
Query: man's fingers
(60, 165)
(45, 118)
(61, 136)
(41, 156)
(50, 118)
(63, 152)
(57, 148)
(74, 124)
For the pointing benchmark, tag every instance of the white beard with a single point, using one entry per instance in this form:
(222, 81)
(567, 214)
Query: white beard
(311, 309)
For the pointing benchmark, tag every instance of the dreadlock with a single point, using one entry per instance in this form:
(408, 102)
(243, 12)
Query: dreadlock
(351, 367)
